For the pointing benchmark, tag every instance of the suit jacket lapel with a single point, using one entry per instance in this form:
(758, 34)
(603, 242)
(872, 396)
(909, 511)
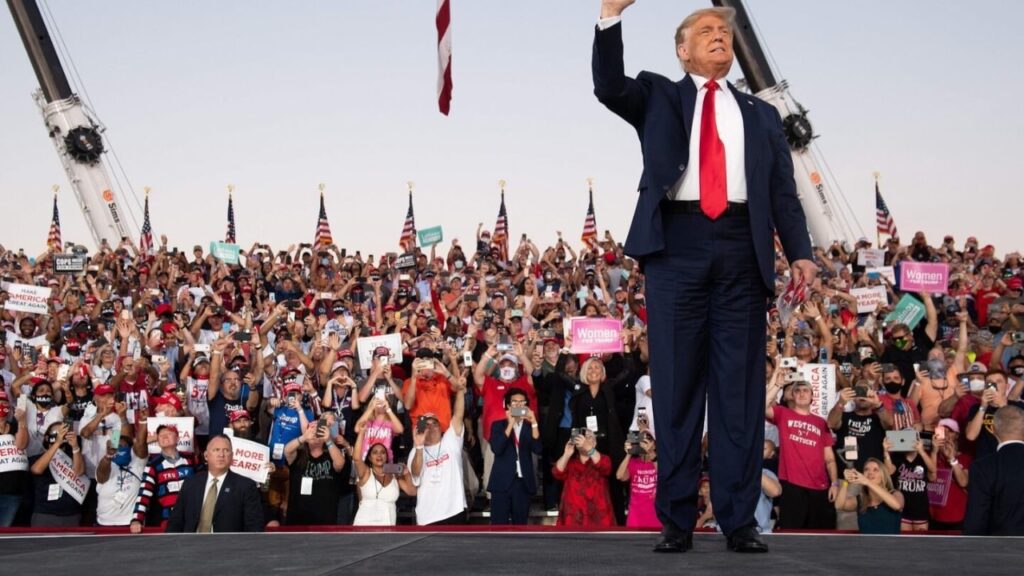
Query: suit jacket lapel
(687, 102)
(750, 126)
(222, 496)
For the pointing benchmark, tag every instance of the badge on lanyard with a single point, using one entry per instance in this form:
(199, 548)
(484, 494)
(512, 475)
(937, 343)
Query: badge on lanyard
(592, 423)
(306, 488)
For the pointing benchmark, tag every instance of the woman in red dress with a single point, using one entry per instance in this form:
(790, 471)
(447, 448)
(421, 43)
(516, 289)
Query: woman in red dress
(586, 502)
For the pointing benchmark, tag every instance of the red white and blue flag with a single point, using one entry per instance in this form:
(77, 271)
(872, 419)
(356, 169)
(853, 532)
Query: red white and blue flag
(444, 56)
(53, 240)
(408, 239)
(229, 236)
(323, 227)
(146, 235)
(589, 236)
(500, 237)
(883, 217)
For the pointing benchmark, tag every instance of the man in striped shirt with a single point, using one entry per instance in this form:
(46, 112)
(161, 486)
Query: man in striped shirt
(162, 481)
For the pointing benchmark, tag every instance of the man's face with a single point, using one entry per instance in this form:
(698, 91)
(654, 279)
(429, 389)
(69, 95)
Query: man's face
(242, 428)
(167, 439)
(218, 455)
(433, 432)
(707, 47)
(232, 384)
(802, 396)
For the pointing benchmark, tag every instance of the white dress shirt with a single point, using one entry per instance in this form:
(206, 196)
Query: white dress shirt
(729, 121)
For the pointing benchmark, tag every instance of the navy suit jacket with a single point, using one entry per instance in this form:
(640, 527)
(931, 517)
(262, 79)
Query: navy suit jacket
(995, 494)
(661, 111)
(238, 507)
(503, 471)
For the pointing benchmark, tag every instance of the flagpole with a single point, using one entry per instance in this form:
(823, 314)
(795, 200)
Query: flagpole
(878, 233)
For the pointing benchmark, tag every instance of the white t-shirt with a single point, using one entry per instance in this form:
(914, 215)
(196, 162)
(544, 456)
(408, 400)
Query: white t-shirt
(441, 493)
(643, 400)
(115, 502)
(38, 422)
(95, 447)
(198, 403)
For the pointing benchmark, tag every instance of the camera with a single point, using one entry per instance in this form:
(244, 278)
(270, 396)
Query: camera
(860, 391)
(421, 425)
(1018, 337)
(577, 432)
(504, 343)
(846, 369)
(788, 362)
(794, 377)
(293, 399)
(397, 469)
(243, 336)
(518, 411)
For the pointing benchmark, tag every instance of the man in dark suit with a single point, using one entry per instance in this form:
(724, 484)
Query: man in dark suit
(217, 500)
(514, 441)
(995, 498)
(717, 182)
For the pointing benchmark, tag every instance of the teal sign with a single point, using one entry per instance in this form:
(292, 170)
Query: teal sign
(431, 236)
(226, 253)
(909, 311)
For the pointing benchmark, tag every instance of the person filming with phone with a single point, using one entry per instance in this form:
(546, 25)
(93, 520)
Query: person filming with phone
(514, 441)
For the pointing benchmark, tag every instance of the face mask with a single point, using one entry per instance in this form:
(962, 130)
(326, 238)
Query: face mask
(893, 387)
(936, 366)
(509, 373)
(5, 411)
(900, 343)
(46, 400)
(977, 384)
(1018, 371)
(123, 457)
(459, 264)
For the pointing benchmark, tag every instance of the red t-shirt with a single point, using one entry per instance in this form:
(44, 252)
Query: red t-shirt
(802, 440)
(956, 501)
(494, 399)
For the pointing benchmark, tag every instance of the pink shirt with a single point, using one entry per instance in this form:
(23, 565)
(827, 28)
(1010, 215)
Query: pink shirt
(378, 432)
(643, 484)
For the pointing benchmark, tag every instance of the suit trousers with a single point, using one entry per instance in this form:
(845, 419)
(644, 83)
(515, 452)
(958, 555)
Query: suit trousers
(511, 506)
(707, 306)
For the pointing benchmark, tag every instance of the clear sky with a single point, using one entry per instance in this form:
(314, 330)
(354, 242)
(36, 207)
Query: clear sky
(276, 97)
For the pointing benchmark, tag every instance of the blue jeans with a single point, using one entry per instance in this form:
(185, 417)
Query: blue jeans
(8, 508)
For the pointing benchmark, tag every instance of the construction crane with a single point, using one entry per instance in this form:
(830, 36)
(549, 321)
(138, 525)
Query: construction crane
(75, 133)
(829, 216)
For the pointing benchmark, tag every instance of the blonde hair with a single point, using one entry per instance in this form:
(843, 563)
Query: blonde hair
(586, 366)
(728, 15)
(886, 483)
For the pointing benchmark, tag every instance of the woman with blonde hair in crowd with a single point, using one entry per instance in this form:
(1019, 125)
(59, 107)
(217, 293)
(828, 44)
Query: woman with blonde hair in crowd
(879, 505)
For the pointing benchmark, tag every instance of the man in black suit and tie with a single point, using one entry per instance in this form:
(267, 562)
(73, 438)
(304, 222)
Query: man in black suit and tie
(995, 489)
(514, 441)
(217, 500)
(717, 182)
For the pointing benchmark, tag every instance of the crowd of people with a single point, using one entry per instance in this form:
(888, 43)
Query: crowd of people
(485, 407)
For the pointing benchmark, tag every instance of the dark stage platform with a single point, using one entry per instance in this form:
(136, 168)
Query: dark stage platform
(522, 553)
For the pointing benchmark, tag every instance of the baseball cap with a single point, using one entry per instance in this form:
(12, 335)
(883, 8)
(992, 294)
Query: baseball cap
(1015, 283)
(338, 365)
(103, 390)
(200, 359)
(950, 424)
(237, 415)
(977, 368)
(509, 358)
(293, 387)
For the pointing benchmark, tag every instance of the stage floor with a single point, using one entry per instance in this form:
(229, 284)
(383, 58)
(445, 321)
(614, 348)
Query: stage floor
(521, 553)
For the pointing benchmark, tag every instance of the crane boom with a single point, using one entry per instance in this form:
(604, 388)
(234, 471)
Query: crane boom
(828, 219)
(76, 136)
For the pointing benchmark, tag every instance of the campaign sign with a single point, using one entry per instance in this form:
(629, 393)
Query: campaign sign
(886, 272)
(250, 459)
(368, 344)
(431, 236)
(822, 378)
(909, 311)
(226, 253)
(185, 425)
(869, 299)
(11, 459)
(596, 336)
(938, 491)
(62, 469)
(927, 277)
(27, 298)
(68, 263)
(405, 261)
(871, 257)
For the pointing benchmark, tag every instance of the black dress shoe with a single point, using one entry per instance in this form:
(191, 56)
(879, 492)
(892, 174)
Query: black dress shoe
(674, 541)
(746, 540)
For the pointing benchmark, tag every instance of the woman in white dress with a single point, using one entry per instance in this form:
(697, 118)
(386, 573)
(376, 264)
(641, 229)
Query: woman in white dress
(378, 489)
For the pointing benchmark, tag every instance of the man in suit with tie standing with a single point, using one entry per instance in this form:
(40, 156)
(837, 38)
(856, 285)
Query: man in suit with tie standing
(717, 181)
(217, 500)
(995, 498)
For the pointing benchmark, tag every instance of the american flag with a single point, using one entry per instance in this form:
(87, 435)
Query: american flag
(53, 240)
(408, 239)
(444, 56)
(229, 236)
(146, 235)
(500, 237)
(589, 236)
(883, 217)
(323, 227)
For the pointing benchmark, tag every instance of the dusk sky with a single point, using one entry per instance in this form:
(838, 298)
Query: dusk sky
(276, 97)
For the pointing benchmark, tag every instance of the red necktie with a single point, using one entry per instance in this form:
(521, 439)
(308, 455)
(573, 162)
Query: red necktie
(713, 198)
